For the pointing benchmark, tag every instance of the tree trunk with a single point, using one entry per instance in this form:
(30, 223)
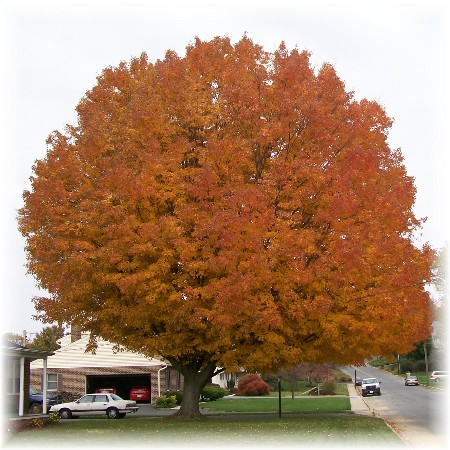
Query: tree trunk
(191, 393)
(196, 375)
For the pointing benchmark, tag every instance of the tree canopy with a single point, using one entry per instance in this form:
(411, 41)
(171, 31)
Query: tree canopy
(47, 339)
(231, 207)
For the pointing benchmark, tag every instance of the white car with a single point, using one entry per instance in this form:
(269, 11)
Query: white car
(439, 375)
(96, 404)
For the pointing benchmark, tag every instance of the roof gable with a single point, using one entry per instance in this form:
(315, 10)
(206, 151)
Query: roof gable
(74, 355)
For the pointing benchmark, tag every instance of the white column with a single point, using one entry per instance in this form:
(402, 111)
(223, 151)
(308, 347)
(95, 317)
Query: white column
(22, 386)
(44, 387)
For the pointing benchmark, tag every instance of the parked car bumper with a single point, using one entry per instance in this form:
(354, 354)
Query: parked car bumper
(374, 391)
(129, 409)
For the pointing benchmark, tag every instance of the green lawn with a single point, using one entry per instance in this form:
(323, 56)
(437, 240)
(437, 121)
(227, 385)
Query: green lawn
(217, 431)
(288, 405)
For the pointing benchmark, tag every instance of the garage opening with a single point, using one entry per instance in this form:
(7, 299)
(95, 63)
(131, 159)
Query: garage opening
(121, 383)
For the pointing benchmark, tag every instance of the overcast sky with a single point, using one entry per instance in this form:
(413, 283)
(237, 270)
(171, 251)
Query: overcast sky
(394, 52)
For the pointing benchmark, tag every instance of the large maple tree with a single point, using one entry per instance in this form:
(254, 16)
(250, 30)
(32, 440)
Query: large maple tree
(231, 207)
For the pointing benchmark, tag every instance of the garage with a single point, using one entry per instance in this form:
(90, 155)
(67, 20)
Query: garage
(122, 383)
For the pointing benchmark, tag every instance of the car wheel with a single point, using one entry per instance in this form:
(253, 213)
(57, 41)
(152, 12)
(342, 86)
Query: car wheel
(65, 414)
(112, 413)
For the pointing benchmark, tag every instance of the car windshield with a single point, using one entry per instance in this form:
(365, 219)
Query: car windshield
(370, 380)
(116, 397)
(34, 391)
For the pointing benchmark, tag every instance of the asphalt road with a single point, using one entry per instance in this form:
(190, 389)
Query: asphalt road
(417, 413)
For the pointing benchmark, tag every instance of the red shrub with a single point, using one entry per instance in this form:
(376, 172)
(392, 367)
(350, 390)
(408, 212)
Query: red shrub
(252, 385)
(257, 388)
(246, 379)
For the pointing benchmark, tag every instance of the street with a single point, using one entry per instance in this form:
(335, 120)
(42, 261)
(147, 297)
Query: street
(417, 413)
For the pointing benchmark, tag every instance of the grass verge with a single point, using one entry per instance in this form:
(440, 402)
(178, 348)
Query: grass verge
(218, 430)
(323, 405)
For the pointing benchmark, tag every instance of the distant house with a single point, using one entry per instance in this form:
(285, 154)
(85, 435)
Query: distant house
(73, 372)
(16, 375)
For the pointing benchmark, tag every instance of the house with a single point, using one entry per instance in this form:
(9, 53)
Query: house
(16, 374)
(72, 372)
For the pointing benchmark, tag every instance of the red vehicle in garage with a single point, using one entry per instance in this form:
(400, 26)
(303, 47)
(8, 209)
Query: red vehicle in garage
(106, 391)
(140, 393)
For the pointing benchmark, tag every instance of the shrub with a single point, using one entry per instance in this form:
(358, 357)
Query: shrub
(252, 385)
(54, 417)
(246, 379)
(166, 402)
(257, 388)
(328, 388)
(212, 393)
(231, 383)
(178, 395)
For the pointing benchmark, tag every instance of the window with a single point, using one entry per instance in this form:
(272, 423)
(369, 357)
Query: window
(87, 399)
(52, 381)
(13, 377)
(101, 398)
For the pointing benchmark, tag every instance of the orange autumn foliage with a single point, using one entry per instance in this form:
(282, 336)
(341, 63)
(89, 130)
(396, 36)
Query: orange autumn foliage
(232, 207)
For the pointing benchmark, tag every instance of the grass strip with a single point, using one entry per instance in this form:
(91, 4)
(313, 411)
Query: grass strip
(222, 430)
(288, 405)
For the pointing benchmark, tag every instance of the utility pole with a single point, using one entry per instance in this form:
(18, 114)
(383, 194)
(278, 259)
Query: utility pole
(426, 361)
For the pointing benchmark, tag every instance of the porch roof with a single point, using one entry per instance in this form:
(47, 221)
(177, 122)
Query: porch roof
(11, 349)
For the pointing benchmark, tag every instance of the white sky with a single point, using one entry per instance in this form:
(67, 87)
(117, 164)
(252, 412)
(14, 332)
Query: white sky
(392, 51)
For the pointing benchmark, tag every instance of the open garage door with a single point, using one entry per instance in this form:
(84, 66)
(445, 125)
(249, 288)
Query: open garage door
(122, 383)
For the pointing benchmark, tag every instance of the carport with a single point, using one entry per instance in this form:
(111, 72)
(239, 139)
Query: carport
(122, 383)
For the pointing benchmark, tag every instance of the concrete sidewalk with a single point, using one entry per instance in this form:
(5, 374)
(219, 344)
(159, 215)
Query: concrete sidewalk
(357, 403)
